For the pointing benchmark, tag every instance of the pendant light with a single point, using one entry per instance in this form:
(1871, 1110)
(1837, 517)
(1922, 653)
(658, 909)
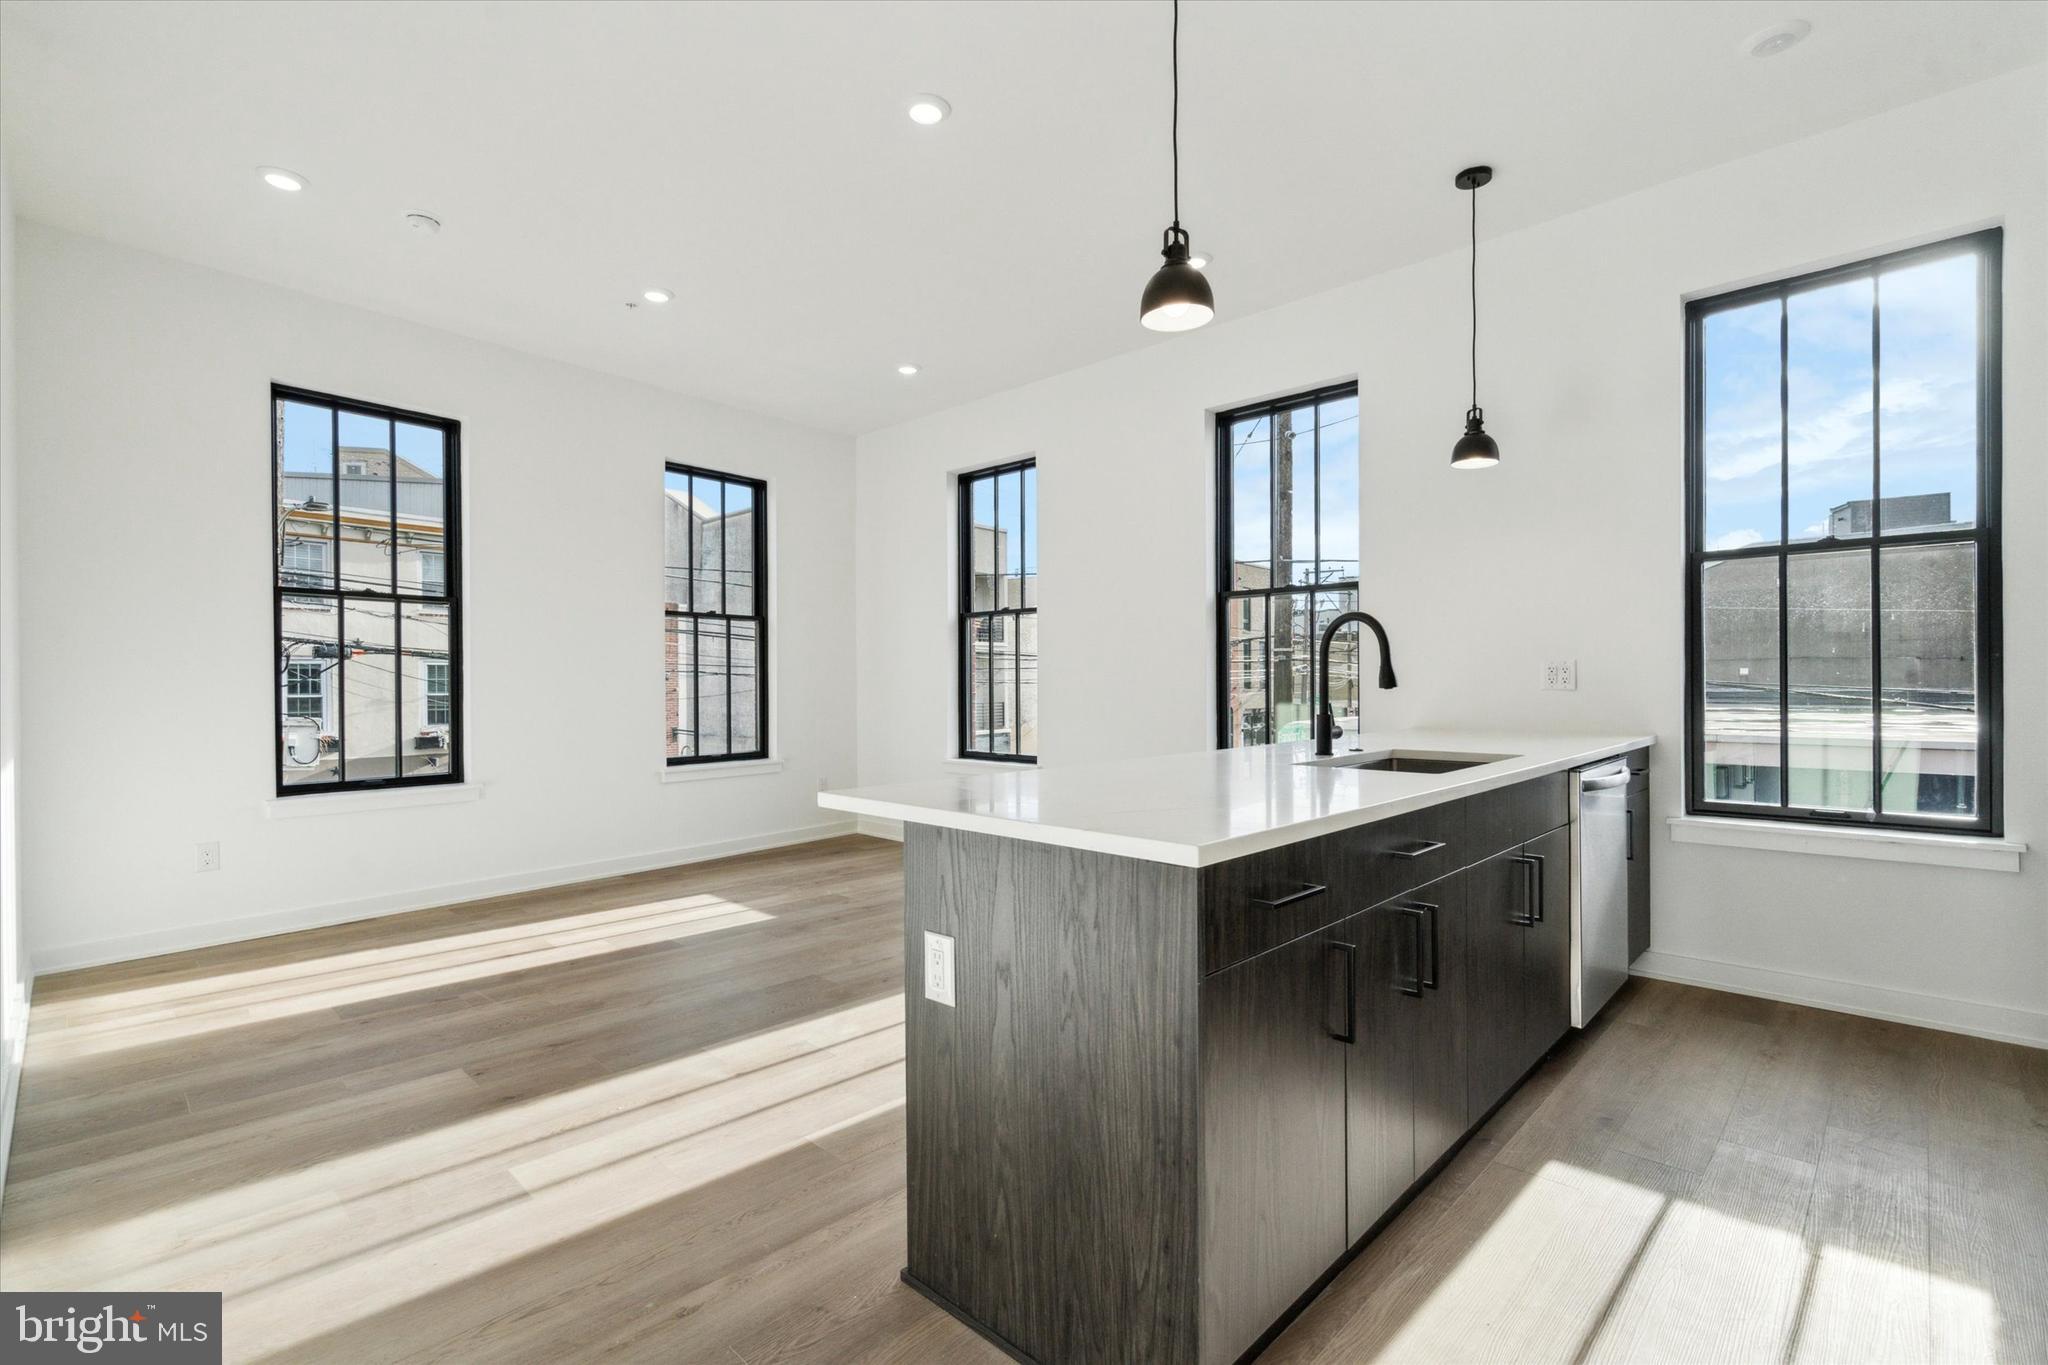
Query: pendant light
(1475, 449)
(1177, 297)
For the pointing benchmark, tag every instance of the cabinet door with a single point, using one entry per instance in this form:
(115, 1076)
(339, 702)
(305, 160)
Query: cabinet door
(1442, 1023)
(1638, 873)
(1379, 1099)
(1496, 897)
(1272, 1206)
(1546, 984)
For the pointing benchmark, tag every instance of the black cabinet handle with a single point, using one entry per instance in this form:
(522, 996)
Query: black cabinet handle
(1275, 902)
(1629, 813)
(1420, 848)
(1345, 981)
(1536, 906)
(1528, 862)
(1414, 916)
(1428, 973)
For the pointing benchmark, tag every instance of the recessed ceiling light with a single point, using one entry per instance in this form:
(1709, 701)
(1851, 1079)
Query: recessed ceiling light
(906, 370)
(657, 296)
(928, 109)
(1200, 260)
(426, 224)
(278, 178)
(1769, 42)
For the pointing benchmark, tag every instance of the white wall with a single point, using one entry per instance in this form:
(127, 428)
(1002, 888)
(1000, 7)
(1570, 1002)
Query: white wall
(15, 970)
(1571, 548)
(144, 436)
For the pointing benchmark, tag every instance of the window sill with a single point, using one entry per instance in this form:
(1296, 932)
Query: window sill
(1880, 845)
(347, 803)
(986, 765)
(703, 772)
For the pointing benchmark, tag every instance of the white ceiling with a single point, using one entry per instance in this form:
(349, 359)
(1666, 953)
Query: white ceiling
(755, 158)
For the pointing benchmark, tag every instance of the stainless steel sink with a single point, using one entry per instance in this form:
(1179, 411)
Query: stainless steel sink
(1407, 761)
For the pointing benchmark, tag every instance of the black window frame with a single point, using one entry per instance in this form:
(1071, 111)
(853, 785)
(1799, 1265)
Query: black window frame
(1985, 535)
(968, 617)
(1230, 599)
(450, 597)
(759, 616)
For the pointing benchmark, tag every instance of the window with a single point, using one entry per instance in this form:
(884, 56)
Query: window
(1842, 586)
(715, 628)
(1286, 562)
(439, 712)
(997, 651)
(368, 644)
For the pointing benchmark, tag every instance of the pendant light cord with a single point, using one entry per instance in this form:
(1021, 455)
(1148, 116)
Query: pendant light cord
(1176, 113)
(1475, 294)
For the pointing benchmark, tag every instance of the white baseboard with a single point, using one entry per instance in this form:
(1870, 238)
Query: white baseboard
(2000, 1022)
(879, 828)
(128, 947)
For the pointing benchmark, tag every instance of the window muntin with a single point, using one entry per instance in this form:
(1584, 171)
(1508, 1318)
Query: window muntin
(360, 493)
(1842, 592)
(1287, 562)
(998, 636)
(715, 615)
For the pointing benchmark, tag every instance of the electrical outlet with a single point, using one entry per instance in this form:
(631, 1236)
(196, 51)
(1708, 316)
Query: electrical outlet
(938, 967)
(209, 857)
(1561, 675)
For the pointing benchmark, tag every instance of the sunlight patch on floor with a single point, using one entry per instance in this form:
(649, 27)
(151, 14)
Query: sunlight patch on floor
(664, 1129)
(238, 998)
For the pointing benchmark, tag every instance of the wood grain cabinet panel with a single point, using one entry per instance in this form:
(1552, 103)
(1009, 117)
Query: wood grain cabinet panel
(1272, 1134)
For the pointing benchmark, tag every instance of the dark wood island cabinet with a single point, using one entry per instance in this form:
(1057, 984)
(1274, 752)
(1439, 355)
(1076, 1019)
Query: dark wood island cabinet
(1169, 1101)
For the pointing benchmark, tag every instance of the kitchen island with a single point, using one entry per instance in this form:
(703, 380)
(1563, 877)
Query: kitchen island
(1182, 1032)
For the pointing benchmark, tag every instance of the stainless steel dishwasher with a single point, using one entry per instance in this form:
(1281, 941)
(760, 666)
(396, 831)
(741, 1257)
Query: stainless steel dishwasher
(1599, 885)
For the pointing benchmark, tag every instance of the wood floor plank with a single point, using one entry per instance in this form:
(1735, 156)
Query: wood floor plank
(1867, 1299)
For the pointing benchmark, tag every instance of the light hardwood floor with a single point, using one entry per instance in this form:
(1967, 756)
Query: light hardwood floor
(659, 1117)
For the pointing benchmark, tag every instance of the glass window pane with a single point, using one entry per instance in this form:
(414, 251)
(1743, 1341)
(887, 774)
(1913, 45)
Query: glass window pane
(1027, 685)
(679, 683)
(1827, 630)
(427, 702)
(1251, 504)
(1009, 537)
(1294, 485)
(1828, 398)
(678, 523)
(1031, 536)
(707, 541)
(1927, 438)
(1739, 654)
(739, 549)
(1740, 427)
(978, 708)
(1293, 616)
(1244, 670)
(1002, 695)
(369, 691)
(305, 495)
(746, 688)
(985, 564)
(365, 492)
(1928, 594)
(422, 487)
(307, 651)
(1337, 468)
(713, 720)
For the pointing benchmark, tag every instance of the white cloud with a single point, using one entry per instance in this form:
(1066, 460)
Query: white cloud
(1735, 540)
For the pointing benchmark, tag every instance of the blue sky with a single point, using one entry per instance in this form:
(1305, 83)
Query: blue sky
(1927, 409)
(309, 439)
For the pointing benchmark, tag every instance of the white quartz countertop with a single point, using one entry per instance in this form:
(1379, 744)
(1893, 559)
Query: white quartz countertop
(1201, 808)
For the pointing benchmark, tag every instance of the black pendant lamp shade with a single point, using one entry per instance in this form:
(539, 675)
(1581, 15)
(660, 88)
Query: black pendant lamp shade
(1475, 449)
(1177, 297)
